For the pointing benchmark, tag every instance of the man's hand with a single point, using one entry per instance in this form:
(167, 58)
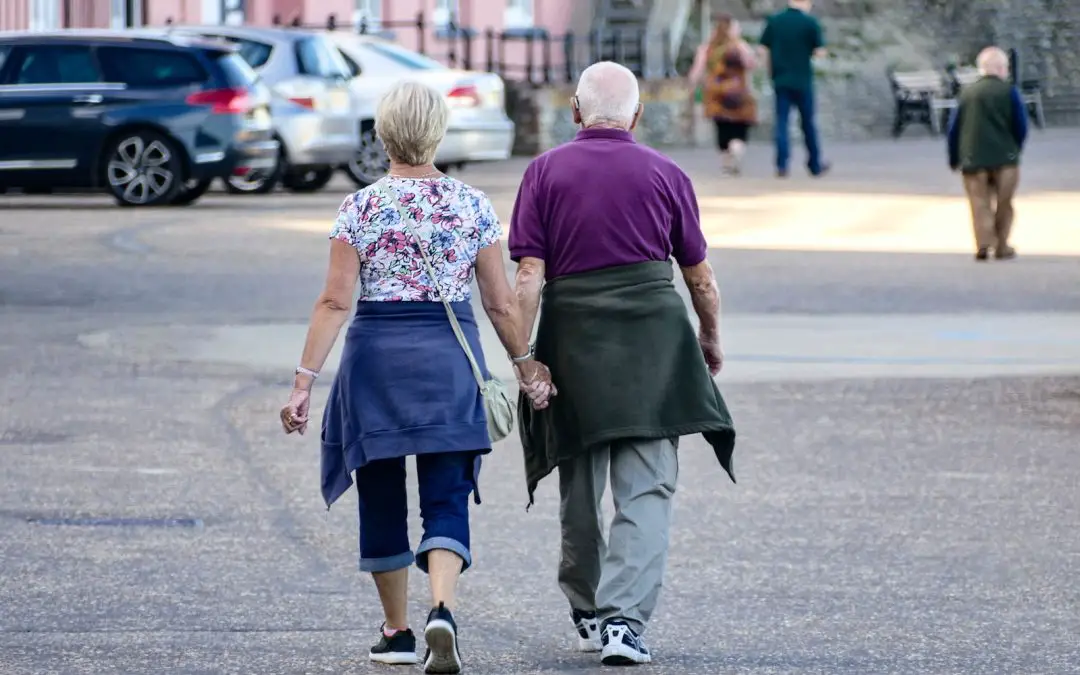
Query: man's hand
(713, 352)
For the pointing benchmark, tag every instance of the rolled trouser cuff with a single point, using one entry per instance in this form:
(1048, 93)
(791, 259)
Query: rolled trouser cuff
(446, 544)
(388, 564)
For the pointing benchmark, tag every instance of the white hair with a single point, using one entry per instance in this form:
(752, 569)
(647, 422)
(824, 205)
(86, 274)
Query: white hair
(607, 93)
(993, 61)
(411, 121)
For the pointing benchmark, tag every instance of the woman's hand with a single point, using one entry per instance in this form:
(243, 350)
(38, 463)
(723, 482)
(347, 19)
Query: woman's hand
(294, 416)
(534, 380)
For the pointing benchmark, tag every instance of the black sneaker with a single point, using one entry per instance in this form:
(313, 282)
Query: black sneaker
(441, 635)
(397, 650)
(982, 254)
(588, 630)
(622, 646)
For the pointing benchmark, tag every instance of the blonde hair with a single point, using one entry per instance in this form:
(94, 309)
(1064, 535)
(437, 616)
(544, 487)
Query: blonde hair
(411, 121)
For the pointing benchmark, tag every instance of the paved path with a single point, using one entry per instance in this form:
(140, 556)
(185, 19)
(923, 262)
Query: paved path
(907, 458)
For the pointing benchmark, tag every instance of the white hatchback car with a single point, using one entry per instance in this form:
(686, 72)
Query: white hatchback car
(479, 128)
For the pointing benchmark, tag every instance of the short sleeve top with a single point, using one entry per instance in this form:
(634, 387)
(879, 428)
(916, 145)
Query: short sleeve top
(453, 220)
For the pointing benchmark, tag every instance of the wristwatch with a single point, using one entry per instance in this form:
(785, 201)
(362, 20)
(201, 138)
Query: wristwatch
(300, 370)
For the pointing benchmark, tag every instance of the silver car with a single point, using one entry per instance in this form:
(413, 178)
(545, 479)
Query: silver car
(314, 113)
(479, 128)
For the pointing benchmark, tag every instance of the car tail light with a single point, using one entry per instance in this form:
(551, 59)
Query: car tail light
(305, 101)
(464, 96)
(223, 101)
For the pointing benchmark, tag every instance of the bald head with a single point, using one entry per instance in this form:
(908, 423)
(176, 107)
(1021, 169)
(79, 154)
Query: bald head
(607, 96)
(993, 61)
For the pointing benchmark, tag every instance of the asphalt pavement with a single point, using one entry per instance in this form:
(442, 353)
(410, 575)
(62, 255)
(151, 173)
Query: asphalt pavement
(909, 427)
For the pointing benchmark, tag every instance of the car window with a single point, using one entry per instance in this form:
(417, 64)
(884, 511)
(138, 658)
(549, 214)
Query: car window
(354, 67)
(315, 57)
(55, 64)
(255, 53)
(404, 57)
(4, 51)
(237, 71)
(150, 68)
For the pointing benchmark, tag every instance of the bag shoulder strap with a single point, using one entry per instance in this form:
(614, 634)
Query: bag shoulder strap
(458, 332)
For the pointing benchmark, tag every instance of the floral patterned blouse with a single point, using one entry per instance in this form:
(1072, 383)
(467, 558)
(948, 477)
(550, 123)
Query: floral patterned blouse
(453, 219)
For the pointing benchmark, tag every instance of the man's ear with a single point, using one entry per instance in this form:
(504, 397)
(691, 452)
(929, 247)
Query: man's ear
(575, 109)
(637, 115)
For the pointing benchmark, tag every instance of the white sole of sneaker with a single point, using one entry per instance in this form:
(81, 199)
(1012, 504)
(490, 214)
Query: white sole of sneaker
(442, 645)
(620, 655)
(395, 659)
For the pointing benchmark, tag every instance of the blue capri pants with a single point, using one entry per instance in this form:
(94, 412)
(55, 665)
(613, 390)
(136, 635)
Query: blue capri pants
(445, 479)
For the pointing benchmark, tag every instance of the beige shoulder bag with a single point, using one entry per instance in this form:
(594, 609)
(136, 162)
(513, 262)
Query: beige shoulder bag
(497, 405)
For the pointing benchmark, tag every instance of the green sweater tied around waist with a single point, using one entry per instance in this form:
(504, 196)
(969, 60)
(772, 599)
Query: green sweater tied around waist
(627, 363)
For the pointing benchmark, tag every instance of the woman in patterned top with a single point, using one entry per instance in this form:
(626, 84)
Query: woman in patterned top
(405, 386)
(722, 67)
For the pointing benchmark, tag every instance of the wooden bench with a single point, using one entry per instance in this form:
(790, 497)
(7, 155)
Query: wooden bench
(918, 96)
(1030, 93)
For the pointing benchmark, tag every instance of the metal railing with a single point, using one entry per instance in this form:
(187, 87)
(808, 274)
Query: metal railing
(545, 58)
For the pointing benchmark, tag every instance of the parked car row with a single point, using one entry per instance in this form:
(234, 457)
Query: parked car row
(154, 116)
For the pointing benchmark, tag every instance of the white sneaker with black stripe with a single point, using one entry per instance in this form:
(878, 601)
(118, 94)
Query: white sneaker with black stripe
(588, 631)
(622, 646)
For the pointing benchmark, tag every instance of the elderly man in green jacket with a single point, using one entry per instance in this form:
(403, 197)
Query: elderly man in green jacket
(986, 136)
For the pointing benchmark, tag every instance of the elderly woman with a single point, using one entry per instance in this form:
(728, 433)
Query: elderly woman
(722, 68)
(405, 385)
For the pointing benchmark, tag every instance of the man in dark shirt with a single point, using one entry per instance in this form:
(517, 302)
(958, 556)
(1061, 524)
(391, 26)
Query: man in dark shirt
(986, 136)
(594, 227)
(792, 39)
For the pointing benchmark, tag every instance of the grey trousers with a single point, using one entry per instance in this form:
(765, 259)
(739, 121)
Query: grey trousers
(622, 579)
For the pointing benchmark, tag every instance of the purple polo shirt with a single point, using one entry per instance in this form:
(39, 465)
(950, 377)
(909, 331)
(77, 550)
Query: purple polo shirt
(602, 200)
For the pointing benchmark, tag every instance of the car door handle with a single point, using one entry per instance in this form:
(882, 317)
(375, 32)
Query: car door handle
(91, 99)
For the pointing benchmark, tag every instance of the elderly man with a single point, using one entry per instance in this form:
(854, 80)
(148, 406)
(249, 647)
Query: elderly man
(986, 136)
(598, 220)
(791, 40)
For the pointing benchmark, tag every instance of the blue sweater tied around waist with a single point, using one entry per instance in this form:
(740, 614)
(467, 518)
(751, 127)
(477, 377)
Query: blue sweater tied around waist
(404, 387)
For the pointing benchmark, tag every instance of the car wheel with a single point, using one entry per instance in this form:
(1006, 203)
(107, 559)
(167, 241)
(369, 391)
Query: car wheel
(193, 190)
(143, 169)
(258, 181)
(370, 163)
(311, 180)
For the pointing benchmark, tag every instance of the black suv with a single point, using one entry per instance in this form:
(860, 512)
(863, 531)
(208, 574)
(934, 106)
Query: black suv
(152, 120)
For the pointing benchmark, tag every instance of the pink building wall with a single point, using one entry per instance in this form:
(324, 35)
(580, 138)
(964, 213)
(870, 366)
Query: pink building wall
(398, 17)
(14, 15)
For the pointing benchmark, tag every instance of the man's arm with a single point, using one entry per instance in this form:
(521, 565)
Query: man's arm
(820, 51)
(954, 138)
(690, 250)
(528, 245)
(1020, 118)
(528, 283)
(705, 297)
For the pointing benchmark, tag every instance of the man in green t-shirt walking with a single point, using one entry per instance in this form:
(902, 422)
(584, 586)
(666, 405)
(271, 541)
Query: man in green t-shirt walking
(792, 38)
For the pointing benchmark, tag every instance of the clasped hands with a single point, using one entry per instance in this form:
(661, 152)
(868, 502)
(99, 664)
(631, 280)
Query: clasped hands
(534, 380)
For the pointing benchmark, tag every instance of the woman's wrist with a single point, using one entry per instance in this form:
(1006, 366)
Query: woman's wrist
(524, 357)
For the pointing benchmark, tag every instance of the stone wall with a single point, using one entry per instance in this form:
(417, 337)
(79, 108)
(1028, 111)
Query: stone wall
(866, 38)
(544, 120)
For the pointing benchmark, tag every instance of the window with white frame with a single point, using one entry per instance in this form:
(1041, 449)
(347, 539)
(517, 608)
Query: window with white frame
(44, 15)
(368, 13)
(519, 14)
(444, 11)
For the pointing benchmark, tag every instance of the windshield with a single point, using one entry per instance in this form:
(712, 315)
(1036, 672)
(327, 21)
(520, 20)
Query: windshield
(404, 57)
